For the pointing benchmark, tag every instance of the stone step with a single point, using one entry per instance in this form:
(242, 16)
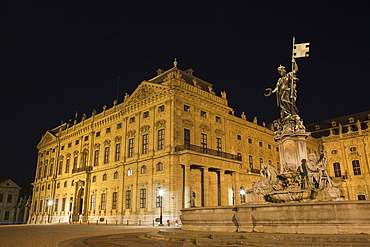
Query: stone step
(261, 239)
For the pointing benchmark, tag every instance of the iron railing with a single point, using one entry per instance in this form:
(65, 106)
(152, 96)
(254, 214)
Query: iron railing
(209, 151)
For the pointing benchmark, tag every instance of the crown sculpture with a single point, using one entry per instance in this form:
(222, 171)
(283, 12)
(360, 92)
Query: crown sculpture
(300, 178)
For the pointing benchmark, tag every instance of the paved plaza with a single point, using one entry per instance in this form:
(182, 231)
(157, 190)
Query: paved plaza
(77, 235)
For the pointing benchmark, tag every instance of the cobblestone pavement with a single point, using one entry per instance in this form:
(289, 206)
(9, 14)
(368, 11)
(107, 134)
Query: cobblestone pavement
(64, 235)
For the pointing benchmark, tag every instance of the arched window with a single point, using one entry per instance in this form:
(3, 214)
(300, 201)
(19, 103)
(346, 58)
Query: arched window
(143, 169)
(58, 185)
(105, 177)
(337, 170)
(160, 166)
(65, 184)
(94, 179)
(115, 176)
(73, 183)
(361, 197)
(129, 172)
(356, 167)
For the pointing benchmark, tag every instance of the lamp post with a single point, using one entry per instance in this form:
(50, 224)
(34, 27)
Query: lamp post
(50, 205)
(242, 195)
(160, 194)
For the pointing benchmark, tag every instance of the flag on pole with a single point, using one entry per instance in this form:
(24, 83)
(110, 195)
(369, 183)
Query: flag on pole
(301, 50)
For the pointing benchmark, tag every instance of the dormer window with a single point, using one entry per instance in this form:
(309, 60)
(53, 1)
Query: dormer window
(333, 123)
(317, 127)
(351, 120)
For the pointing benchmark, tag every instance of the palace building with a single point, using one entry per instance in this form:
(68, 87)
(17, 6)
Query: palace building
(347, 142)
(173, 133)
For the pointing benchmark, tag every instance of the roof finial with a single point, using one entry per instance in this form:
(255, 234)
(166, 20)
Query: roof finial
(175, 63)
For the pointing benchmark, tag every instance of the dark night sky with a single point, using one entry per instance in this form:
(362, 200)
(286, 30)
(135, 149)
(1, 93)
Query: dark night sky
(59, 58)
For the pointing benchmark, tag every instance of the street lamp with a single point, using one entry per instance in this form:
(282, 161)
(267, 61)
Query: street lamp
(242, 195)
(160, 194)
(50, 204)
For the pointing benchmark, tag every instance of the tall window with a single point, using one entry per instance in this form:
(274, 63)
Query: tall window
(145, 144)
(143, 169)
(56, 205)
(161, 139)
(103, 201)
(128, 199)
(337, 170)
(203, 114)
(40, 206)
(203, 142)
(67, 165)
(129, 172)
(104, 178)
(161, 108)
(187, 137)
(146, 114)
(10, 197)
(142, 198)
(131, 147)
(118, 151)
(186, 108)
(60, 169)
(75, 163)
(115, 175)
(85, 157)
(158, 201)
(45, 170)
(251, 161)
(70, 203)
(40, 171)
(63, 204)
(160, 166)
(356, 167)
(219, 146)
(96, 157)
(92, 202)
(51, 170)
(114, 200)
(106, 155)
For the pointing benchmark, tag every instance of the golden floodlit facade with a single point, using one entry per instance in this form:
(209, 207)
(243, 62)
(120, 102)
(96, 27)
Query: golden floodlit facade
(347, 142)
(172, 134)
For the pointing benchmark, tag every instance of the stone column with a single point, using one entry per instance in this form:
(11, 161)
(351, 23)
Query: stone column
(186, 184)
(205, 187)
(222, 189)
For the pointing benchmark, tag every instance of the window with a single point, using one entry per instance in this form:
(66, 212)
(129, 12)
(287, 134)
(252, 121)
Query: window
(203, 114)
(51, 170)
(161, 108)
(131, 147)
(145, 144)
(119, 125)
(40, 171)
(203, 142)
(356, 167)
(334, 151)
(104, 178)
(128, 199)
(86, 138)
(142, 198)
(60, 168)
(250, 141)
(161, 139)
(1, 197)
(160, 166)
(58, 185)
(115, 175)
(75, 163)
(158, 201)
(77, 142)
(92, 207)
(69, 144)
(73, 183)
(65, 184)
(7, 215)
(45, 170)
(187, 138)
(10, 197)
(93, 179)
(186, 108)
(107, 130)
(218, 119)
(97, 134)
(143, 170)
(56, 205)
(40, 206)
(251, 161)
(261, 160)
(96, 157)
(114, 200)
(103, 201)
(242, 195)
(239, 137)
(106, 155)
(62, 147)
(129, 172)
(219, 146)
(132, 120)
(361, 197)
(337, 171)
(146, 114)
(63, 204)
(260, 144)
(269, 146)
(118, 152)
(70, 203)
(239, 156)
(67, 165)
(353, 149)
(48, 186)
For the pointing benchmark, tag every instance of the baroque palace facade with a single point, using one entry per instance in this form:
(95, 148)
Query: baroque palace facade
(172, 133)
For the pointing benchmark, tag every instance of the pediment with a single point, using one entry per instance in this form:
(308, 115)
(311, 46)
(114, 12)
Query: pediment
(45, 139)
(146, 90)
(8, 183)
